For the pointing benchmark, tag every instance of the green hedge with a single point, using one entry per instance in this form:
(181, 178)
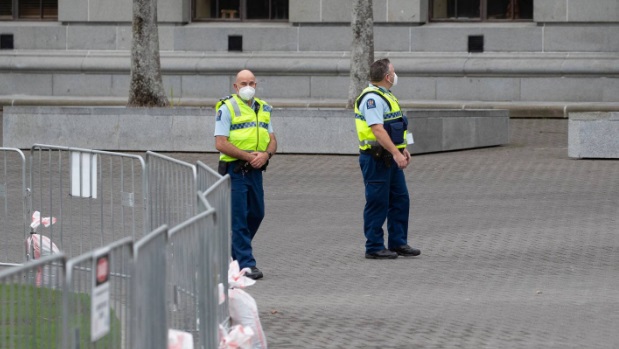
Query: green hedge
(31, 317)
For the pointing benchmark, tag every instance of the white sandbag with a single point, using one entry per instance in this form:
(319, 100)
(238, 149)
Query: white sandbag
(239, 337)
(244, 312)
(236, 276)
(38, 246)
(179, 340)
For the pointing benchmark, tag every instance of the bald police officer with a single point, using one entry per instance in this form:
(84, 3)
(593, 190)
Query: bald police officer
(244, 136)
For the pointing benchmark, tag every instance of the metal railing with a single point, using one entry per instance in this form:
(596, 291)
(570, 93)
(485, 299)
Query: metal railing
(103, 201)
(149, 320)
(13, 206)
(31, 300)
(86, 283)
(171, 190)
(98, 197)
(218, 197)
(206, 176)
(192, 292)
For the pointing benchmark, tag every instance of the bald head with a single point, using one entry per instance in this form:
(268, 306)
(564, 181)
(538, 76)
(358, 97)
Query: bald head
(245, 78)
(245, 75)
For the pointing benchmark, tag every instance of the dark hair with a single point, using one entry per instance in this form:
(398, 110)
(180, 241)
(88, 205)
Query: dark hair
(379, 69)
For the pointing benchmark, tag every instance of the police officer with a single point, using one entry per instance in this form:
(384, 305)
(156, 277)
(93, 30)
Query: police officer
(244, 136)
(381, 127)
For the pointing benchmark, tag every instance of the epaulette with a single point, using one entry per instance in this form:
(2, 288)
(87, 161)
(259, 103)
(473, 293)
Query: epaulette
(225, 98)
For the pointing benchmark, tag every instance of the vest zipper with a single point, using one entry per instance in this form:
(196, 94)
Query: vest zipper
(257, 130)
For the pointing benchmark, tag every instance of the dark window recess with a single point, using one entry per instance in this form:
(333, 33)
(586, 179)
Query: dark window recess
(240, 10)
(481, 10)
(6, 41)
(235, 43)
(6, 9)
(476, 43)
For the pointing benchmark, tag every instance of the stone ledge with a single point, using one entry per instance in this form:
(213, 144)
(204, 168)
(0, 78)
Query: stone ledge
(307, 63)
(593, 135)
(299, 130)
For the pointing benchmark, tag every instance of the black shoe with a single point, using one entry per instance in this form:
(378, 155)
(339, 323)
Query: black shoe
(406, 251)
(255, 273)
(383, 254)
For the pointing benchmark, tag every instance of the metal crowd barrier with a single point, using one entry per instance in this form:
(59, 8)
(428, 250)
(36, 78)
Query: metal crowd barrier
(87, 282)
(150, 325)
(172, 190)
(31, 300)
(98, 197)
(192, 291)
(103, 201)
(13, 206)
(206, 176)
(217, 195)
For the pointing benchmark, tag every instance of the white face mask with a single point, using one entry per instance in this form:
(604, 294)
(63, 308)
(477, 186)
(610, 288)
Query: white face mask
(395, 79)
(247, 93)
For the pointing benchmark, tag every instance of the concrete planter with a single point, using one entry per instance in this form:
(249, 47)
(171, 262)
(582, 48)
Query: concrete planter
(593, 135)
(307, 130)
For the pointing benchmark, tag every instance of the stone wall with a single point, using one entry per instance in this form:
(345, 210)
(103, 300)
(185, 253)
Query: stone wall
(307, 130)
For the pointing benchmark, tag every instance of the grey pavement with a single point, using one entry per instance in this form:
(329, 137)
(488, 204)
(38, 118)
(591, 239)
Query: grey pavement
(520, 249)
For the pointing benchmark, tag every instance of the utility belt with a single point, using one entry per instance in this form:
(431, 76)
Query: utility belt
(238, 167)
(379, 153)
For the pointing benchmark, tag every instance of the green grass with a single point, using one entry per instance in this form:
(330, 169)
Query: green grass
(31, 317)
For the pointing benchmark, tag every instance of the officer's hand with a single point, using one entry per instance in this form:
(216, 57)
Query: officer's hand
(401, 160)
(408, 157)
(259, 159)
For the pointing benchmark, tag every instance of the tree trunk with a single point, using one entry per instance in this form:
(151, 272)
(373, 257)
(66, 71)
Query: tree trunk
(362, 48)
(146, 89)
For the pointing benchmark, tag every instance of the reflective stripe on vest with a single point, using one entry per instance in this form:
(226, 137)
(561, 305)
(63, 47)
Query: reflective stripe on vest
(364, 131)
(249, 130)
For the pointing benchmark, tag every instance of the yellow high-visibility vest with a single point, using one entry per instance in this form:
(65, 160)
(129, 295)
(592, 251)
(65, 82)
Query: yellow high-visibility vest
(249, 130)
(364, 132)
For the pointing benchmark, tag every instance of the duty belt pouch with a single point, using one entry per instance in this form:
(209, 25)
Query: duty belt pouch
(377, 152)
(242, 166)
(222, 169)
(396, 132)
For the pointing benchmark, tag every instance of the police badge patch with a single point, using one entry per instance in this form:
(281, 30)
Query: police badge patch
(370, 103)
(219, 115)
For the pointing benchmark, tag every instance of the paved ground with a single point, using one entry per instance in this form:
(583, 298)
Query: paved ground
(520, 249)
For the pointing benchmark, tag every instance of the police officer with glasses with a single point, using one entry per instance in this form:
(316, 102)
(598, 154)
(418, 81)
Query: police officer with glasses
(382, 131)
(244, 136)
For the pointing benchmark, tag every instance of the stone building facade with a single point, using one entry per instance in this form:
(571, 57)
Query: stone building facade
(521, 54)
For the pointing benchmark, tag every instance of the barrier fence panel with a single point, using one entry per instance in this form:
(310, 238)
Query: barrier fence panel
(31, 304)
(192, 289)
(150, 326)
(13, 207)
(98, 294)
(206, 176)
(97, 197)
(218, 197)
(172, 190)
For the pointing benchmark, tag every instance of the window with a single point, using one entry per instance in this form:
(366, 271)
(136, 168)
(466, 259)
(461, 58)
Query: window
(29, 9)
(240, 10)
(481, 10)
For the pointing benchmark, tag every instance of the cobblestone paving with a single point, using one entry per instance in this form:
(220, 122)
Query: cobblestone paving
(520, 249)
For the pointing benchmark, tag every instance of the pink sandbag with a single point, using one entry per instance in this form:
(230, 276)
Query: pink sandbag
(244, 312)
